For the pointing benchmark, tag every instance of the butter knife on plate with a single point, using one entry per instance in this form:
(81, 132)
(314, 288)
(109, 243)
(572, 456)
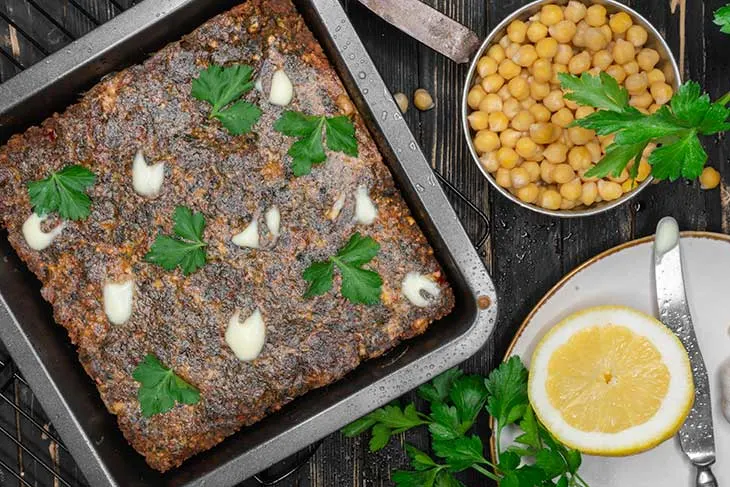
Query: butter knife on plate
(696, 436)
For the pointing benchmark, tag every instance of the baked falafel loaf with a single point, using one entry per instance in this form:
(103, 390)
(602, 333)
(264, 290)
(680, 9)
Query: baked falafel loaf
(233, 181)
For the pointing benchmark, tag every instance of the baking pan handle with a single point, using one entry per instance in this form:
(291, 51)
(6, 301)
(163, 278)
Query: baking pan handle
(264, 479)
(482, 216)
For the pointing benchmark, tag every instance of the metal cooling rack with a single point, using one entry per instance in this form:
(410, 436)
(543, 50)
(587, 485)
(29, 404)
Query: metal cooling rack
(31, 454)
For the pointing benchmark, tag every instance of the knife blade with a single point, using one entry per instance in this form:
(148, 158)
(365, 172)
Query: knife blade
(428, 26)
(696, 436)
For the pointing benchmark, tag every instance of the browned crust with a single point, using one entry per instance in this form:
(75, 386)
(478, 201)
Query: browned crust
(310, 343)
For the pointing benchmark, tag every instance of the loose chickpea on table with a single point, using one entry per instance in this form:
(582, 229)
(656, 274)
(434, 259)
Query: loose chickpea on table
(522, 124)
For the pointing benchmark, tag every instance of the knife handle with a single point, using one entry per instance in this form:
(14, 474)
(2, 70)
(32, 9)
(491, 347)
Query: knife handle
(705, 477)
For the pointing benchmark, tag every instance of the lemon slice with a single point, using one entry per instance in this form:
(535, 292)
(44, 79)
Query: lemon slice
(611, 381)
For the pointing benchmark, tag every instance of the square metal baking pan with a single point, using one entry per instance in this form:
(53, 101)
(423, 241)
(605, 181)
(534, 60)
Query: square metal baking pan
(49, 362)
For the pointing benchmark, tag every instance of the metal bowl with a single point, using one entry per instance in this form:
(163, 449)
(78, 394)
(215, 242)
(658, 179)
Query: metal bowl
(655, 41)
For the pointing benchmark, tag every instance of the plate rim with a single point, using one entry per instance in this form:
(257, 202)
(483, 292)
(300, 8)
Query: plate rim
(567, 277)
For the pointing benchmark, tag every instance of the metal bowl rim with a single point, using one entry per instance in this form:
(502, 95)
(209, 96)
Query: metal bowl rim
(490, 39)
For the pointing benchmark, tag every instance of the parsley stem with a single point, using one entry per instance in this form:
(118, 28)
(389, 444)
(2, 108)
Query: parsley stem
(725, 99)
(497, 441)
(580, 479)
(486, 473)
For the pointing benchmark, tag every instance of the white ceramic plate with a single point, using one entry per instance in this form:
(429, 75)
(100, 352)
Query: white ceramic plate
(625, 276)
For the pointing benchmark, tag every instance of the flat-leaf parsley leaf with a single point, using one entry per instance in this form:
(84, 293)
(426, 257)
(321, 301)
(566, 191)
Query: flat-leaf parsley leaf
(308, 150)
(220, 87)
(160, 388)
(64, 192)
(358, 285)
(186, 249)
(676, 127)
(722, 18)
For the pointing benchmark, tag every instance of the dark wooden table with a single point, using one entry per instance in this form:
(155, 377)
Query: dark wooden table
(526, 252)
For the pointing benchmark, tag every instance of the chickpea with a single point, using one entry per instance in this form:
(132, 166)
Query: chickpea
(511, 50)
(511, 107)
(653, 108)
(661, 92)
(528, 193)
(594, 149)
(536, 31)
(636, 83)
(554, 101)
(596, 15)
(556, 153)
(527, 103)
(492, 83)
(562, 118)
(629, 185)
(505, 42)
(489, 161)
(550, 200)
(647, 59)
(519, 88)
(580, 136)
(496, 52)
(620, 22)
(602, 59)
(621, 177)
(580, 63)
(509, 138)
(546, 48)
(637, 35)
(503, 178)
(546, 171)
(594, 71)
(525, 55)
(655, 76)
(516, 31)
(564, 54)
(641, 100)
(542, 70)
(551, 15)
(478, 120)
(486, 66)
(539, 90)
(605, 141)
(595, 40)
(526, 148)
(710, 178)
(533, 169)
(540, 113)
(609, 190)
(557, 69)
(583, 112)
(563, 31)
(617, 72)
(644, 170)
(579, 39)
(486, 141)
(579, 158)
(507, 157)
(542, 133)
(520, 177)
(504, 93)
(475, 97)
(563, 173)
(575, 11)
(572, 189)
(498, 121)
(588, 194)
(606, 31)
(491, 103)
(632, 67)
(508, 69)
(623, 52)
(523, 120)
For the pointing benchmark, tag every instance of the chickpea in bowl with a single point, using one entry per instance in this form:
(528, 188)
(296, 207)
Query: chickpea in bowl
(518, 123)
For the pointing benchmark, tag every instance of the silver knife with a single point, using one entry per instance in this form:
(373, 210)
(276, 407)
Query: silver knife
(429, 26)
(696, 435)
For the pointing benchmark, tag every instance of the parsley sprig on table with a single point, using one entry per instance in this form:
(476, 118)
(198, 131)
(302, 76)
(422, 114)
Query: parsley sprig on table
(308, 150)
(358, 285)
(221, 87)
(160, 388)
(722, 18)
(675, 127)
(455, 401)
(186, 248)
(63, 192)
